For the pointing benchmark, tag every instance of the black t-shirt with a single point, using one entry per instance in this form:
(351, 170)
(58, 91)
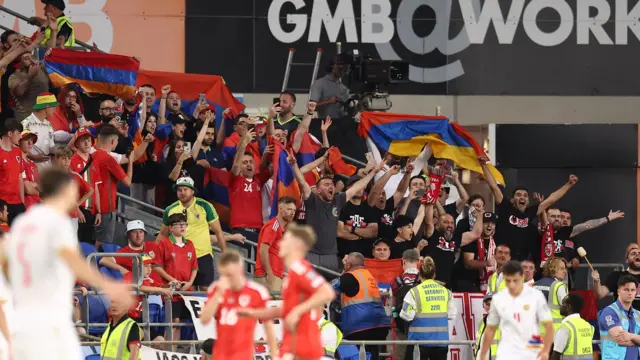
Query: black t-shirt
(349, 285)
(514, 228)
(360, 216)
(399, 247)
(451, 209)
(443, 254)
(612, 284)
(564, 246)
(386, 230)
(189, 168)
(467, 274)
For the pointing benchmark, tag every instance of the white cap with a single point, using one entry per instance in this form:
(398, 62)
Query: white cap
(135, 225)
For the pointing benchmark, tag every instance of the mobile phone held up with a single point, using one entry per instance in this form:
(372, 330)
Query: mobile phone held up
(202, 98)
(276, 100)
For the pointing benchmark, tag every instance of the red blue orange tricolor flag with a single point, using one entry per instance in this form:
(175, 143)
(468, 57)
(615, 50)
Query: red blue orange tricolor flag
(406, 135)
(284, 180)
(95, 72)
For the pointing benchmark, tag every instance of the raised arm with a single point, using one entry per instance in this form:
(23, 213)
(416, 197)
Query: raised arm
(303, 127)
(475, 233)
(429, 227)
(403, 185)
(221, 134)
(379, 185)
(491, 181)
(162, 109)
(324, 127)
(315, 163)
(240, 149)
(462, 200)
(362, 183)
(198, 143)
(53, 26)
(305, 189)
(594, 223)
(558, 194)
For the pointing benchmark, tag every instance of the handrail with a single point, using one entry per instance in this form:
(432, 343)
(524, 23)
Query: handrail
(26, 19)
(255, 245)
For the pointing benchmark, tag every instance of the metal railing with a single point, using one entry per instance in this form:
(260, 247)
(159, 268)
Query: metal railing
(121, 214)
(26, 19)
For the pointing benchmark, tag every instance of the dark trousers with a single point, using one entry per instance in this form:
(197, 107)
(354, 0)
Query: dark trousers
(15, 210)
(379, 334)
(428, 353)
(87, 230)
(246, 249)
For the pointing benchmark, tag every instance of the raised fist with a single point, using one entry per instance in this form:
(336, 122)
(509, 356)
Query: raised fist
(573, 179)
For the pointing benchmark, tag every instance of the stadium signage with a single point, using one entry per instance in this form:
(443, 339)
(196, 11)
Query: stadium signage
(576, 22)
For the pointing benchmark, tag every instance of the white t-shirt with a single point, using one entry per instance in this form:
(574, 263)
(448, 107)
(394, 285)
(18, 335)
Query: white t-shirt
(42, 281)
(44, 131)
(519, 322)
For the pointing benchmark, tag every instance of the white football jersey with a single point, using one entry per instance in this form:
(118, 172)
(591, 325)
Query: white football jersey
(519, 322)
(41, 282)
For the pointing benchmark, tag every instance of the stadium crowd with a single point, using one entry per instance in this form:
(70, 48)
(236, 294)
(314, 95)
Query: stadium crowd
(398, 208)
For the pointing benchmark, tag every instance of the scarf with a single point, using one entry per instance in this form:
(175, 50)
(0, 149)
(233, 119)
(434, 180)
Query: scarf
(433, 190)
(484, 253)
(547, 250)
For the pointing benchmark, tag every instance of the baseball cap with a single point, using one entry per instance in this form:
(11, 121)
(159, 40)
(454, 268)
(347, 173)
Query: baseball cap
(176, 119)
(381, 240)
(26, 133)
(184, 181)
(490, 217)
(401, 221)
(487, 296)
(135, 225)
(147, 260)
(58, 4)
(83, 131)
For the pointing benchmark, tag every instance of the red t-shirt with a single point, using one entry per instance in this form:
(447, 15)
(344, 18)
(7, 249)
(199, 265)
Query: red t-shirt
(10, 174)
(178, 261)
(91, 176)
(4, 227)
(83, 189)
(299, 285)
(235, 334)
(30, 173)
(245, 200)
(110, 173)
(149, 248)
(136, 308)
(271, 234)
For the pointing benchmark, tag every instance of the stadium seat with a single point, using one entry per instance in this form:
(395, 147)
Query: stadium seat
(110, 248)
(350, 352)
(98, 305)
(110, 273)
(92, 357)
(87, 249)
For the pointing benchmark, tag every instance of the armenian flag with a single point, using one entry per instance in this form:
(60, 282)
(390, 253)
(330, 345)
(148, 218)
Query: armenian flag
(216, 191)
(95, 72)
(284, 180)
(406, 135)
(308, 148)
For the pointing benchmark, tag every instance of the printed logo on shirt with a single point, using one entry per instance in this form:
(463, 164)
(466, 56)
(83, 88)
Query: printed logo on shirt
(152, 254)
(526, 307)
(609, 320)
(357, 221)
(387, 219)
(569, 244)
(445, 245)
(559, 246)
(334, 211)
(244, 300)
(516, 221)
(189, 255)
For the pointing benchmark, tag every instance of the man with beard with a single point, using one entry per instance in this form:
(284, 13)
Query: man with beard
(442, 244)
(26, 84)
(322, 209)
(562, 241)
(357, 225)
(611, 284)
(209, 155)
(565, 217)
(201, 218)
(377, 199)
(282, 113)
(516, 215)
(245, 200)
(269, 266)
(479, 258)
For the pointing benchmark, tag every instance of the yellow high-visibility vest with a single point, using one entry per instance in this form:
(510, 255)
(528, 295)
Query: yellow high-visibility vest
(113, 344)
(62, 20)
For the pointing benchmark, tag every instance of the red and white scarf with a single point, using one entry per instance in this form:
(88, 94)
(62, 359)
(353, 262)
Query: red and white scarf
(547, 247)
(486, 254)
